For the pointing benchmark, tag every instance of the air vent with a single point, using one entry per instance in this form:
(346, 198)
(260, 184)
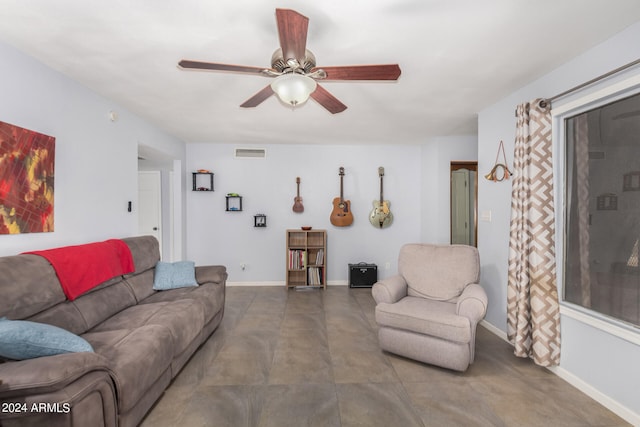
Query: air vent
(596, 155)
(251, 153)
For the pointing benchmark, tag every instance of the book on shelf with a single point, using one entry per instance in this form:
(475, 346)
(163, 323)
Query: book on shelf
(315, 276)
(297, 259)
(320, 257)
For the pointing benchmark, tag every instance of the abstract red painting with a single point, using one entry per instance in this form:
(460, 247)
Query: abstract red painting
(27, 160)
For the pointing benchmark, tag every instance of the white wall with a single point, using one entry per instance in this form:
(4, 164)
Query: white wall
(604, 365)
(96, 159)
(437, 155)
(268, 186)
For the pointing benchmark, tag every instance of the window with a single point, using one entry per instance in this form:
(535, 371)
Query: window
(602, 209)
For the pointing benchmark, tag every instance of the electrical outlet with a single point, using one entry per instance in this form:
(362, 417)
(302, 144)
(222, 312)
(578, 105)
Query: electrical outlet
(387, 265)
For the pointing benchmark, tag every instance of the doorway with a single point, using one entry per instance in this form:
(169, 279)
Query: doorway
(150, 204)
(464, 202)
(159, 200)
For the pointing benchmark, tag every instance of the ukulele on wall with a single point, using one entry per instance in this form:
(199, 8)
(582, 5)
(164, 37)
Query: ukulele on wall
(341, 215)
(297, 201)
(381, 216)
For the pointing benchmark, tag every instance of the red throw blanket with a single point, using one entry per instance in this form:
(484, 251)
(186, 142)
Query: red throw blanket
(83, 267)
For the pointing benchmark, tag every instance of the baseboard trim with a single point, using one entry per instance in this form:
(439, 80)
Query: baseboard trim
(338, 283)
(281, 283)
(496, 331)
(606, 401)
(271, 283)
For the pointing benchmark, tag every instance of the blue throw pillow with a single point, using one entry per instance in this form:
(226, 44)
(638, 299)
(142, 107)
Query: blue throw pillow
(21, 339)
(174, 275)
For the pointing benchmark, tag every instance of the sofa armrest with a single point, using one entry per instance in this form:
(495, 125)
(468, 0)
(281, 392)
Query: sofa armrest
(46, 374)
(211, 273)
(472, 303)
(389, 290)
(88, 401)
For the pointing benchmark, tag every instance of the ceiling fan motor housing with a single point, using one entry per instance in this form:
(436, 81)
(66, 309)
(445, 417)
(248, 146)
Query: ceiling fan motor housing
(293, 65)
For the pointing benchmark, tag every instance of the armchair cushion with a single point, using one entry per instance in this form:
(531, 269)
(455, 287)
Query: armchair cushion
(425, 317)
(438, 272)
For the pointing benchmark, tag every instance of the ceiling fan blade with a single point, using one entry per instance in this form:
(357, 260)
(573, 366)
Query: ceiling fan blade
(292, 30)
(362, 72)
(328, 101)
(258, 98)
(198, 65)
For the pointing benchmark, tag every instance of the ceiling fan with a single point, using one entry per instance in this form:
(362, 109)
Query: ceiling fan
(294, 68)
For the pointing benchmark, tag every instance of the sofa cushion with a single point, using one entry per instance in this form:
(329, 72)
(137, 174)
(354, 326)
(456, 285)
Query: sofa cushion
(29, 285)
(183, 320)
(64, 315)
(146, 254)
(173, 275)
(21, 339)
(439, 272)
(99, 305)
(137, 358)
(141, 284)
(145, 251)
(210, 297)
(425, 317)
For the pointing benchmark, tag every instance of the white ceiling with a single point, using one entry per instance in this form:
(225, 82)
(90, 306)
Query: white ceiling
(456, 56)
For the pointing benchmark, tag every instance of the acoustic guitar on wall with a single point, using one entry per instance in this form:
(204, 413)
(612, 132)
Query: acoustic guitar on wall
(381, 216)
(341, 215)
(297, 201)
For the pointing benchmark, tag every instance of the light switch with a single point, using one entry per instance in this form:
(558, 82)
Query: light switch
(485, 216)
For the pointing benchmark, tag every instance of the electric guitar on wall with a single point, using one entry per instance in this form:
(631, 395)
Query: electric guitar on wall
(297, 201)
(341, 215)
(381, 216)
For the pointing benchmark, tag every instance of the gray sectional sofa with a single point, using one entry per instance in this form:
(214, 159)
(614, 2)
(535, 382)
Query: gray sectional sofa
(141, 338)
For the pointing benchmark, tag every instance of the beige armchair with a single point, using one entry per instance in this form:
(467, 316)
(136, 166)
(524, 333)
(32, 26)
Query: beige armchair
(429, 311)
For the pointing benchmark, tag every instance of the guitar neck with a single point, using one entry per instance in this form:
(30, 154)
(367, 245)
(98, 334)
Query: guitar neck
(341, 196)
(381, 173)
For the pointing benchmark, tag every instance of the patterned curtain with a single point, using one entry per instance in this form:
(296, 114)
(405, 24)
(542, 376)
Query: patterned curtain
(533, 316)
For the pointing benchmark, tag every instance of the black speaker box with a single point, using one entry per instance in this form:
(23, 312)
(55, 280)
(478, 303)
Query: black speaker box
(362, 275)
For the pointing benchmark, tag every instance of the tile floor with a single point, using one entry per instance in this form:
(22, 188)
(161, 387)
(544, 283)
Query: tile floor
(310, 358)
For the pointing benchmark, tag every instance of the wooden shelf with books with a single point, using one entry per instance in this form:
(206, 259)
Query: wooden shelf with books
(306, 258)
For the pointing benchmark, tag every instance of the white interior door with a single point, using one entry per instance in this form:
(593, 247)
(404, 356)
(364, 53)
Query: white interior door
(460, 220)
(150, 204)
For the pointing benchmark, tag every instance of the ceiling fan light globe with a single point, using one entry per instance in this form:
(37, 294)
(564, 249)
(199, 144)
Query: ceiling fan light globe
(293, 89)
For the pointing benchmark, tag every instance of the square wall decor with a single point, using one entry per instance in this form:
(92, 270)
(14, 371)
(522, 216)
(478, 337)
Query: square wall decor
(27, 161)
